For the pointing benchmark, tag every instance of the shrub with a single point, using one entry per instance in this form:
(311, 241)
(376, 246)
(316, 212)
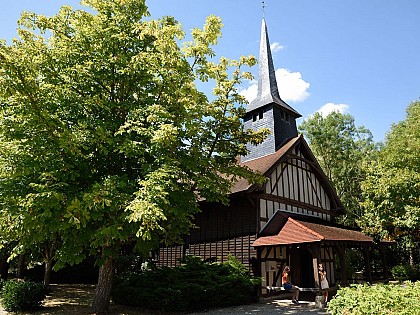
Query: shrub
(378, 299)
(22, 296)
(2, 282)
(405, 272)
(195, 285)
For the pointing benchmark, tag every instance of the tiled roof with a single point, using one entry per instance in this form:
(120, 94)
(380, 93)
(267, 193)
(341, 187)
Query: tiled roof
(297, 231)
(263, 164)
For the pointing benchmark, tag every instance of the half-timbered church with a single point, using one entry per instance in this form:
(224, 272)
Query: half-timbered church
(290, 219)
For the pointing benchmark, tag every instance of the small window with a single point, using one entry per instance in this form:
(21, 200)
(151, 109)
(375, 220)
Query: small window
(282, 115)
(257, 116)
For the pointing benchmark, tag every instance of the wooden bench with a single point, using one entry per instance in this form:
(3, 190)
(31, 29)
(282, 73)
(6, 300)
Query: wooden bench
(276, 289)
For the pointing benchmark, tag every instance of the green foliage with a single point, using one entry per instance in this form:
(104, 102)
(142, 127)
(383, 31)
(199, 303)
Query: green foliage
(103, 133)
(2, 283)
(105, 138)
(354, 261)
(406, 272)
(195, 285)
(341, 147)
(22, 296)
(378, 299)
(391, 190)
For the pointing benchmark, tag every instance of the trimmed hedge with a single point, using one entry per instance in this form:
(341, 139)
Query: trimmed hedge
(377, 299)
(194, 286)
(22, 295)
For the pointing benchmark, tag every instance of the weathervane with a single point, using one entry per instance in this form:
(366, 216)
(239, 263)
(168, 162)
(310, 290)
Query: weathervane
(263, 6)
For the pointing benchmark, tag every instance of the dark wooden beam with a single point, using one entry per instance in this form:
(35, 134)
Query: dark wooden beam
(316, 259)
(296, 203)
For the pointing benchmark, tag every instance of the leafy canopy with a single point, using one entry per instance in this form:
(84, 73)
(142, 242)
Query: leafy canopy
(392, 187)
(341, 147)
(105, 138)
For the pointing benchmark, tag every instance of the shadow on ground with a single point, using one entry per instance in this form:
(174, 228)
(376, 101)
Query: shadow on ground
(75, 299)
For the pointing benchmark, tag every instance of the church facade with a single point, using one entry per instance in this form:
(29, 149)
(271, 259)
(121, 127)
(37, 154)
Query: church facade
(290, 219)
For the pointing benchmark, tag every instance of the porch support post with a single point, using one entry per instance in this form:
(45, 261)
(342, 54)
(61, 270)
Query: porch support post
(367, 263)
(259, 270)
(343, 271)
(316, 258)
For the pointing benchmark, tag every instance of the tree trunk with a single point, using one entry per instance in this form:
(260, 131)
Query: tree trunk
(384, 262)
(47, 272)
(366, 257)
(21, 267)
(4, 268)
(411, 256)
(48, 259)
(101, 299)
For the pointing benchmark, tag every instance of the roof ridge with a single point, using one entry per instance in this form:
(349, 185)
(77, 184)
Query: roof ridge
(305, 228)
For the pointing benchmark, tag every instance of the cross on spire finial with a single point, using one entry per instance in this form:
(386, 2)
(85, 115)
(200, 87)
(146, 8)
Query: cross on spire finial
(263, 7)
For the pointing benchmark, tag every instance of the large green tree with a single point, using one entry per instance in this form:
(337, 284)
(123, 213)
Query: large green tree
(392, 188)
(105, 139)
(341, 148)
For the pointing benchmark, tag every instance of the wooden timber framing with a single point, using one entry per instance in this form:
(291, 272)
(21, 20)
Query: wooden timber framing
(220, 231)
(294, 203)
(296, 184)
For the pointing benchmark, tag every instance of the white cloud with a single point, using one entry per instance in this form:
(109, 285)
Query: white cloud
(275, 47)
(331, 107)
(251, 91)
(292, 87)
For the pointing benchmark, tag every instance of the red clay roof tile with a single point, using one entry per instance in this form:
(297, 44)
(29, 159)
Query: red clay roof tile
(296, 231)
(263, 164)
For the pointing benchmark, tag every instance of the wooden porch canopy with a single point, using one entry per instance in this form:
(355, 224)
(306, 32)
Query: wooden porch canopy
(282, 229)
(288, 229)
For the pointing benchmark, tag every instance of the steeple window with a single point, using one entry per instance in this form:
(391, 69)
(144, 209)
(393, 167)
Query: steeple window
(258, 115)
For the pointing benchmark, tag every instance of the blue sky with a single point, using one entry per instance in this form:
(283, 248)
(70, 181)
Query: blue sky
(357, 56)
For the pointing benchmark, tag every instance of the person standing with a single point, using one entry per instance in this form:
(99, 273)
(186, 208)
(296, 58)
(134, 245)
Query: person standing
(287, 285)
(324, 281)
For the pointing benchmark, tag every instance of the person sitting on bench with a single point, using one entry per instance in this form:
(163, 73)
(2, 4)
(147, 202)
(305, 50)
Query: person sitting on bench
(287, 285)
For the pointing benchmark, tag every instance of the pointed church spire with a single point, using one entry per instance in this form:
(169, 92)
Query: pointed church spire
(267, 84)
(268, 110)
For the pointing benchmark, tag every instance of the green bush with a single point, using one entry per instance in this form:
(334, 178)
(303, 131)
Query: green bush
(195, 285)
(405, 272)
(2, 282)
(22, 296)
(378, 299)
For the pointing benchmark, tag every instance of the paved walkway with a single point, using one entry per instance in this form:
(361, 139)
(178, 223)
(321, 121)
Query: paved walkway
(269, 307)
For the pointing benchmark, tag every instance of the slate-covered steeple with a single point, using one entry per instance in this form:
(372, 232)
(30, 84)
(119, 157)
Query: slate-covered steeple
(268, 110)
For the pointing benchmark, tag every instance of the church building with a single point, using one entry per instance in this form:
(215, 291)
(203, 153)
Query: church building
(291, 218)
